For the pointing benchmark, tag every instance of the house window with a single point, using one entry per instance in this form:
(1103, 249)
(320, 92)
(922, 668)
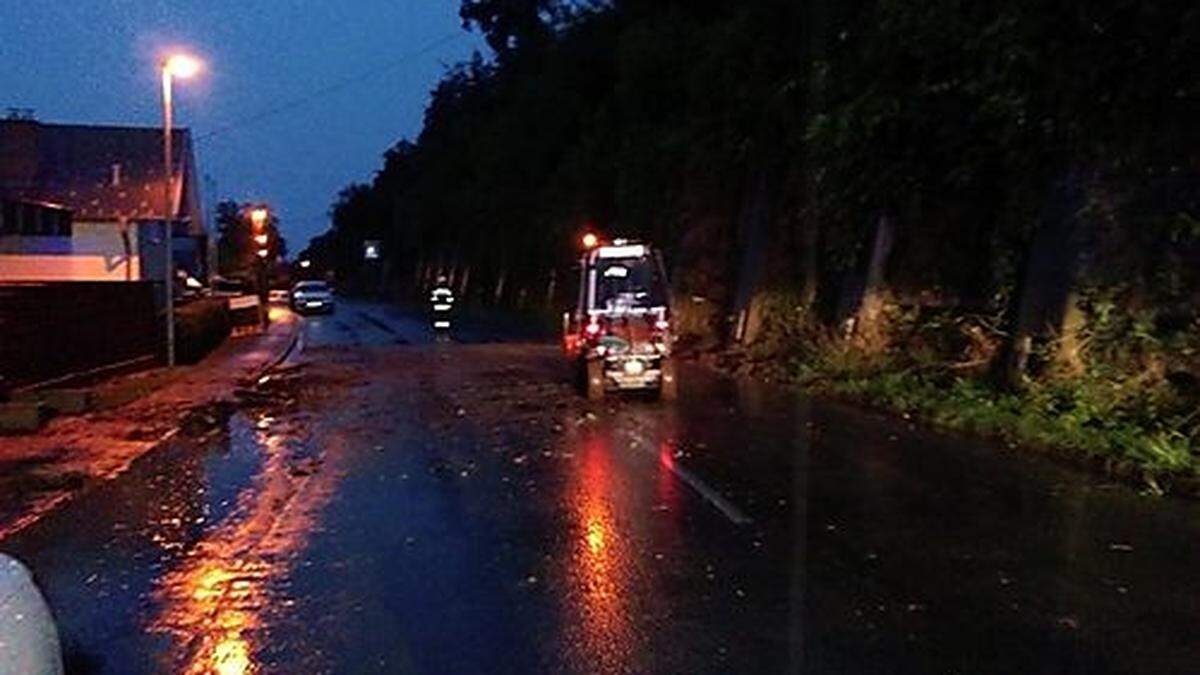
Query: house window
(60, 222)
(30, 223)
(8, 218)
(34, 220)
(27, 220)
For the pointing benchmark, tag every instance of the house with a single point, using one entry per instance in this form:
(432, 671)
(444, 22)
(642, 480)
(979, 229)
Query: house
(86, 203)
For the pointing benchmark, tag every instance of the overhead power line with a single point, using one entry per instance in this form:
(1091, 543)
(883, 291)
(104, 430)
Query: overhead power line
(299, 101)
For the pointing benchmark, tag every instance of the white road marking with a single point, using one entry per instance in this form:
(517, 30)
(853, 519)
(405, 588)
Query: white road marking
(733, 513)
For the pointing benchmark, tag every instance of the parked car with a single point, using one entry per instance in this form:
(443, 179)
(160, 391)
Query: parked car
(312, 296)
(187, 287)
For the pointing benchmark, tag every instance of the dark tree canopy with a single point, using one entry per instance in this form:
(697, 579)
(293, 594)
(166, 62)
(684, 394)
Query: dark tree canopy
(510, 26)
(766, 144)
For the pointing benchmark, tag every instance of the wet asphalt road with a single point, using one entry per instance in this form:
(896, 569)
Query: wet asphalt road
(387, 503)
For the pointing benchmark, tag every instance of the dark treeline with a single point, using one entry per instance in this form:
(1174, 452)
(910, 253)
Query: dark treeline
(1008, 191)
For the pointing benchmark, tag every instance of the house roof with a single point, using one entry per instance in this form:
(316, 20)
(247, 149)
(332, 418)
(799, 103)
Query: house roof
(98, 172)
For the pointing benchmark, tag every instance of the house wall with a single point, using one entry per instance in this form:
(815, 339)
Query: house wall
(98, 252)
(93, 252)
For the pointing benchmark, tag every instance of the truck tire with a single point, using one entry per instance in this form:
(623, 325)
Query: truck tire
(668, 388)
(595, 380)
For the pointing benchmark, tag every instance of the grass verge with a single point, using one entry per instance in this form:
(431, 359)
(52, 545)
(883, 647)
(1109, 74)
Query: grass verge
(1130, 430)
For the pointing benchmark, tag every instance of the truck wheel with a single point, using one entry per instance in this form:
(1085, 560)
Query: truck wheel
(668, 388)
(595, 380)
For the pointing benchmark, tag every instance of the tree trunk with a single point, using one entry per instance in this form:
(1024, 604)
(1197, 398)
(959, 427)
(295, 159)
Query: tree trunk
(810, 241)
(1069, 355)
(463, 283)
(1045, 290)
(869, 325)
(753, 245)
(498, 295)
(814, 30)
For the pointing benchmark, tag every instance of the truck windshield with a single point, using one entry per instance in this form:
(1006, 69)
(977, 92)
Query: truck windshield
(628, 284)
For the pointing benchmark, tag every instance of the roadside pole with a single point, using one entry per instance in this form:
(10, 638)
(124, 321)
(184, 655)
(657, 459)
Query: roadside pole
(260, 217)
(168, 254)
(183, 66)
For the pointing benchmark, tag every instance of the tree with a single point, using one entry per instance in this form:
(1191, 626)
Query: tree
(871, 153)
(511, 26)
(236, 249)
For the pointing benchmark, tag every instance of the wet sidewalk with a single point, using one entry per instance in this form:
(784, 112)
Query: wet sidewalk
(40, 471)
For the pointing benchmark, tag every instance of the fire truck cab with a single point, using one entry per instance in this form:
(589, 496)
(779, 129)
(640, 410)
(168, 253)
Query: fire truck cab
(619, 335)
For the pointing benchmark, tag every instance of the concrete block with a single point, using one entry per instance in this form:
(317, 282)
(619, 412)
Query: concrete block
(68, 401)
(60, 401)
(22, 416)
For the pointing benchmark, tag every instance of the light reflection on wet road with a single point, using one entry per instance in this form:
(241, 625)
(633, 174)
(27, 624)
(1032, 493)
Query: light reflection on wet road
(599, 567)
(213, 604)
(400, 506)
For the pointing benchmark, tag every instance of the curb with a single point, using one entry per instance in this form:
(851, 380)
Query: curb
(274, 362)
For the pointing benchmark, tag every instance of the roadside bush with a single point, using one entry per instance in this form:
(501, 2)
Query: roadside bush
(1133, 405)
(200, 327)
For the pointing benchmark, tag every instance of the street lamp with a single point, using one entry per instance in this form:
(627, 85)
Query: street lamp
(181, 66)
(260, 218)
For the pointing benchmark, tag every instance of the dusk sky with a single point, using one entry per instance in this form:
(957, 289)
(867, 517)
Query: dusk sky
(299, 97)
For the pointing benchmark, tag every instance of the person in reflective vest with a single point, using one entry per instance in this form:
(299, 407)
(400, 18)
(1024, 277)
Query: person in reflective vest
(441, 302)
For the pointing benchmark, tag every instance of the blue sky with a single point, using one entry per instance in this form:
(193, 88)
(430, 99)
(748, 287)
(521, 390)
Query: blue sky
(300, 97)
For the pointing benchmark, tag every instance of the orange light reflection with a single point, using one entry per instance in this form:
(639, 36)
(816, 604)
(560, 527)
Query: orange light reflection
(215, 603)
(600, 567)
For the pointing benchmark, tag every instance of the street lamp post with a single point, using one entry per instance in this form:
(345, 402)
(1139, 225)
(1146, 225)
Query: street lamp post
(183, 67)
(260, 218)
